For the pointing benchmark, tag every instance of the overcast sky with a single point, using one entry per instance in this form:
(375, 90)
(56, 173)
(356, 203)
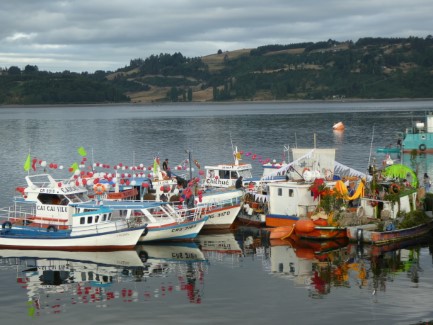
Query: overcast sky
(89, 35)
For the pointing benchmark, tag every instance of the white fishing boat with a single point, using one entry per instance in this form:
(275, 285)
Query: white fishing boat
(163, 220)
(89, 230)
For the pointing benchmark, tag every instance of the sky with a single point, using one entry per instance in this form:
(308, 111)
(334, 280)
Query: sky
(90, 35)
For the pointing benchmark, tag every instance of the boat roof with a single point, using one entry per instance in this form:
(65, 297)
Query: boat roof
(45, 183)
(230, 167)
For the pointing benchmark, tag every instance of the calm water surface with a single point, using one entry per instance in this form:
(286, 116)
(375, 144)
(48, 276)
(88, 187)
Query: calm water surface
(225, 278)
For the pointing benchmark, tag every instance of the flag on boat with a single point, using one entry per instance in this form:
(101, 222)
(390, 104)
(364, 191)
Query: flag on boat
(82, 152)
(28, 163)
(73, 167)
(155, 166)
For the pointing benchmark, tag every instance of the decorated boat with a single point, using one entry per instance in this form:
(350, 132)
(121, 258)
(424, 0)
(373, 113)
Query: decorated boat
(219, 205)
(54, 202)
(93, 229)
(163, 220)
(391, 208)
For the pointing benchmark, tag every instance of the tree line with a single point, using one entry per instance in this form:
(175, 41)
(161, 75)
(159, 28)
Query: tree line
(371, 68)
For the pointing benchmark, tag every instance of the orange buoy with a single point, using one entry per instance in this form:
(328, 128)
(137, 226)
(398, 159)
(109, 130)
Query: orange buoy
(338, 126)
(304, 225)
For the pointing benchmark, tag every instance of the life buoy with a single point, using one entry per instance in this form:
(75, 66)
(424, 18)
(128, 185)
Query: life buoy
(99, 189)
(360, 212)
(52, 229)
(197, 164)
(394, 188)
(7, 225)
(422, 147)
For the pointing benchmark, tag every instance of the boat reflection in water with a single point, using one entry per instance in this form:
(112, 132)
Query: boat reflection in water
(220, 247)
(321, 267)
(56, 279)
(183, 264)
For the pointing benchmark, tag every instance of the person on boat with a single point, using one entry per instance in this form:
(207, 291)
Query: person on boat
(166, 168)
(238, 183)
(427, 183)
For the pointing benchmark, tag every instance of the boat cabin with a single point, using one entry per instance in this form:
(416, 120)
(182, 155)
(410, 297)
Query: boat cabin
(225, 175)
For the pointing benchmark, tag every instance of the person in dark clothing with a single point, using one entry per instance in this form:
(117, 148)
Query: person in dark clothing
(238, 183)
(166, 168)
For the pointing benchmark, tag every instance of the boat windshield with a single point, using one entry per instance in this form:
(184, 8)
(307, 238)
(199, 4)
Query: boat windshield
(245, 173)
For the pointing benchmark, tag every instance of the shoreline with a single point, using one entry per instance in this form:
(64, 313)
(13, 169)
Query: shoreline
(237, 102)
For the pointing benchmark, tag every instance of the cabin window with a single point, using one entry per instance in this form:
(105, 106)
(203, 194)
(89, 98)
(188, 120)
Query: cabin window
(83, 276)
(90, 219)
(224, 174)
(96, 219)
(234, 175)
(82, 221)
(45, 198)
(291, 193)
(280, 192)
(104, 217)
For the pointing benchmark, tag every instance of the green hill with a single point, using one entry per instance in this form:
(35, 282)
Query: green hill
(371, 68)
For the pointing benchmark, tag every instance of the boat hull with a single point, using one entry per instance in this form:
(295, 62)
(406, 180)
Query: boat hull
(364, 234)
(277, 220)
(323, 233)
(181, 231)
(221, 218)
(15, 238)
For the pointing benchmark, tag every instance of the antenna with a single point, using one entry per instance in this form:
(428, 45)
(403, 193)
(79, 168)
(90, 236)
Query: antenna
(371, 148)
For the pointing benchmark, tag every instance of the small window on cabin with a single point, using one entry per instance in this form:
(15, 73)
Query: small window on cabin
(89, 220)
(104, 217)
(291, 193)
(280, 192)
(82, 221)
(234, 175)
(109, 216)
(96, 219)
(91, 276)
(83, 276)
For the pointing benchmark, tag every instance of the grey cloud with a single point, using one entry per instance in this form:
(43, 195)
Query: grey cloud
(87, 35)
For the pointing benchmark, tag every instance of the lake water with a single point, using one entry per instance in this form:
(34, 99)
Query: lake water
(231, 278)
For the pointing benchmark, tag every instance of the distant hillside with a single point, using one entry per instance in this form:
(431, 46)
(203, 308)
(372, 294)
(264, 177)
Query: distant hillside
(371, 68)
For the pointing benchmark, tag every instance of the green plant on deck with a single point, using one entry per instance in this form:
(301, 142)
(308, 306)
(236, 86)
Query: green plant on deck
(412, 219)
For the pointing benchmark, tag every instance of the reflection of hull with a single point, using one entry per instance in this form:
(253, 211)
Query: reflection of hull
(124, 258)
(173, 252)
(311, 247)
(362, 234)
(220, 243)
(375, 250)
